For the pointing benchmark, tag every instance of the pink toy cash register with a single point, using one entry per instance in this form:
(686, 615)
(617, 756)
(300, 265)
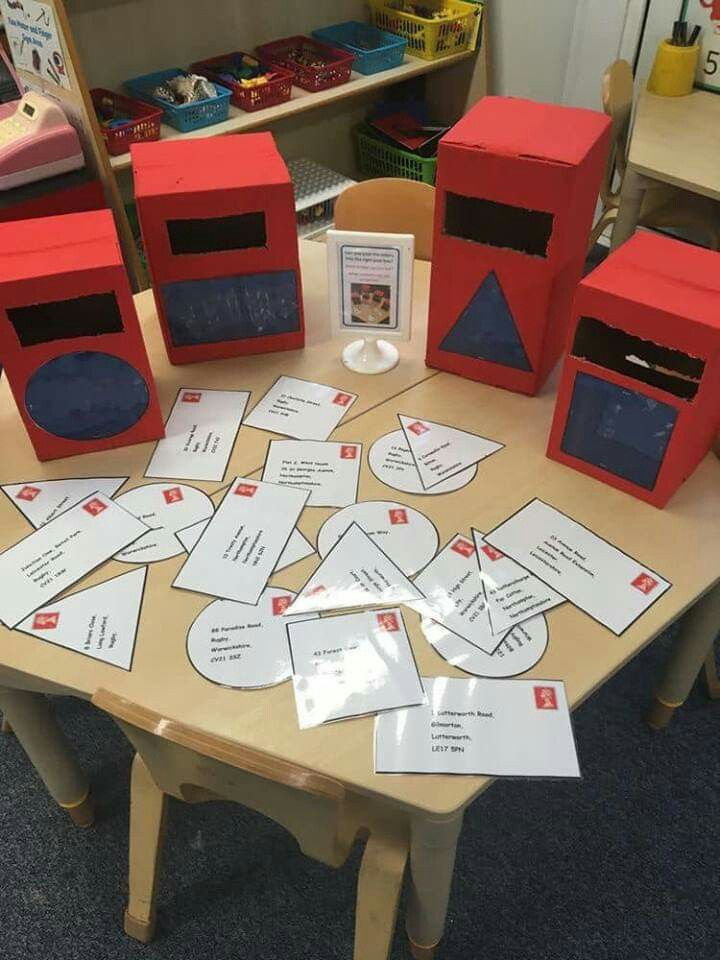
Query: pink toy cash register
(36, 142)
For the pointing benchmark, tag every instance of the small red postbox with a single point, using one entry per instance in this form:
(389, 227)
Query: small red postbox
(218, 223)
(70, 341)
(517, 185)
(639, 400)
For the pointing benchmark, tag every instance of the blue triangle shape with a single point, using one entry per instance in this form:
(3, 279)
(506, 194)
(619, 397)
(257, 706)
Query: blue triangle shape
(486, 329)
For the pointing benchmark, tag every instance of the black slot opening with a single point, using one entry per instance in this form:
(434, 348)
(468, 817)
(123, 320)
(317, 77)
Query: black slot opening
(498, 224)
(89, 316)
(215, 234)
(669, 370)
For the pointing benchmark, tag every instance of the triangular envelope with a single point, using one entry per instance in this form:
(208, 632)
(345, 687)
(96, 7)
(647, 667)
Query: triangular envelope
(513, 594)
(355, 573)
(42, 500)
(440, 451)
(100, 622)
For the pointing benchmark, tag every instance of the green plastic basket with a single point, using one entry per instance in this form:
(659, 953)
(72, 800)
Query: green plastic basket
(378, 159)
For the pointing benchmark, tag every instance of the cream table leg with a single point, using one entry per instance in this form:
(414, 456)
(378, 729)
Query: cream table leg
(698, 630)
(31, 719)
(379, 886)
(712, 682)
(632, 195)
(148, 805)
(432, 861)
(5, 726)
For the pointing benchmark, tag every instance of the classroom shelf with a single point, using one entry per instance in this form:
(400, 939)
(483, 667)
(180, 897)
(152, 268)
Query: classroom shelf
(302, 100)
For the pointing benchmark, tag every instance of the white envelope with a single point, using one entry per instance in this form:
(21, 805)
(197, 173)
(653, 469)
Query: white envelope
(301, 409)
(241, 545)
(498, 728)
(329, 471)
(200, 434)
(63, 551)
(352, 665)
(42, 500)
(610, 586)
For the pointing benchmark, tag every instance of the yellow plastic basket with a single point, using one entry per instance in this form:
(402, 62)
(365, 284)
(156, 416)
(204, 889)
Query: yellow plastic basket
(430, 39)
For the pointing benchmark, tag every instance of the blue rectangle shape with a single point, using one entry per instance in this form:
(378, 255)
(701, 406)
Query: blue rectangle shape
(622, 431)
(231, 308)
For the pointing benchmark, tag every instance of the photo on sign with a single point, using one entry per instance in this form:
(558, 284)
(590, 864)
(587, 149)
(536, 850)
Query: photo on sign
(371, 304)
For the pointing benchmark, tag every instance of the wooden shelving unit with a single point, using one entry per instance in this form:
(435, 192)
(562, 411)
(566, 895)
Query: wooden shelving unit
(301, 101)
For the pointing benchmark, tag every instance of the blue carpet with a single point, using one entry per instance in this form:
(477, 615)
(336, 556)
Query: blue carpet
(620, 865)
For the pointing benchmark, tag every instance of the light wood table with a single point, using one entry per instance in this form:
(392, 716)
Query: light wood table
(681, 542)
(675, 141)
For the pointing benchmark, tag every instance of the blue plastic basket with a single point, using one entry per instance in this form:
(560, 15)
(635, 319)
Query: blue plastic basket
(374, 49)
(185, 116)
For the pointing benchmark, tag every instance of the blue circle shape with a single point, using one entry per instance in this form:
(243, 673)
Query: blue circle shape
(86, 396)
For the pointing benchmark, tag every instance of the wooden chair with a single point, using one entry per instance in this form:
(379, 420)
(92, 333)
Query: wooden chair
(664, 206)
(181, 761)
(389, 205)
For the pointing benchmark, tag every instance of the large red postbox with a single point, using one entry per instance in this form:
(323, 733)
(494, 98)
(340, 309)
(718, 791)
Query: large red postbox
(639, 400)
(70, 342)
(517, 185)
(218, 222)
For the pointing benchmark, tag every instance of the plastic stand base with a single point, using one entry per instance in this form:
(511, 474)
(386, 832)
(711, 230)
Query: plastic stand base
(370, 356)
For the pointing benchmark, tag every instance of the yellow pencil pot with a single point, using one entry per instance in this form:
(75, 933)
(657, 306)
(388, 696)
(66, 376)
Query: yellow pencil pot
(673, 72)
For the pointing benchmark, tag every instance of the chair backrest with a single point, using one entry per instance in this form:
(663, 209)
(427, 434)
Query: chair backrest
(389, 205)
(617, 100)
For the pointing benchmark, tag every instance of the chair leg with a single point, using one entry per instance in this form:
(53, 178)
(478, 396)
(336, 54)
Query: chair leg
(712, 682)
(148, 805)
(5, 726)
(379, 886)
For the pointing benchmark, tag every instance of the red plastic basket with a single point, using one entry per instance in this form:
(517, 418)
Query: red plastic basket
(144, 125)
(335, 69)
(275, 91)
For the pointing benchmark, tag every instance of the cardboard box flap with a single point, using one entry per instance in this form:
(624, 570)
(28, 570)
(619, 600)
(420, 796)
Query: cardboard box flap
(666, 274)
(513, 127)
(41, 247)
(177, 166)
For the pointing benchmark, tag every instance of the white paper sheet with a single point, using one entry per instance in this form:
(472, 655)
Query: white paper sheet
(512, 593)
(329, 471)
(352, 665)
(244, 646)
(297, 548)
(240, 547)
(200, 434)
(392, 463)
(453, 594)
(610, 586)
(404, 534)
(520, 649)
(301, 409)
(42, 500)
(48, 561)
(355, 573)
(499, 728)
(440, 451)
(165, 508)
(99, 622)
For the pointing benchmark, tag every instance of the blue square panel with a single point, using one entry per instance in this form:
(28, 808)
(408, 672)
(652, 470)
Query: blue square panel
(622, 431)
(486, 329)
(231, 308)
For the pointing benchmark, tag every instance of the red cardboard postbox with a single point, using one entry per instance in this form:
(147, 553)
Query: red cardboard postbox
(218, 222)
(517, 184)
(639, 398)
(70, 341)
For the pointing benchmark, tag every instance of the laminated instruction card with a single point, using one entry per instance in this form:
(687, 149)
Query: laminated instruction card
(453, 594)
(352, 665)
(40, 501)
(498, 728)
(512, 593)
(238, 550)
(440, 451)
(596, 576)
(301, 409)
(200, 434)
(329, 471)
(60, 553)
(355, 573)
